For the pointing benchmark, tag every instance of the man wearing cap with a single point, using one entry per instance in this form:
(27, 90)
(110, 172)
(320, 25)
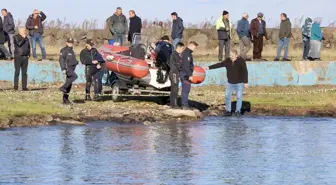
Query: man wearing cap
(224, 27)
(93, 60)
(186, 73)
(258, 32)
(68, 63)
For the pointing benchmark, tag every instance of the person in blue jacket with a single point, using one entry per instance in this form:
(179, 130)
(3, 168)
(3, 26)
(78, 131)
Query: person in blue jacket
(177, 29)
(315, 40)
(243, 31)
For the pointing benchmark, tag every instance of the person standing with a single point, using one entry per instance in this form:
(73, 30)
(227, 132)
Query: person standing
(93, 60)
(187, 72)
(177, 29)
(3, 49)
(315, 40)
(35, 27)
(135, 25)
(237, 75)
(119, 26)
(9, 28)
(285, 33)
(306, 34)
(258, 32)
(68, 63)
(21, 56)
(175, 64)
(243, 31)
(224, 27)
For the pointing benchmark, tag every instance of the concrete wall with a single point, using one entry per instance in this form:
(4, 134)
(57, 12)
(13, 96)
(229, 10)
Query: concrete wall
(260, 73)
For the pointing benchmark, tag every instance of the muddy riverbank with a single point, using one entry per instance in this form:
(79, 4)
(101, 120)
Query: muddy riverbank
(42, 106)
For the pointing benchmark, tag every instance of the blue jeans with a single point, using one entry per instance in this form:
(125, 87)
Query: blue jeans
(239, 96)
(119, 38)
(39, 39)
(175, 41)
(283, 43)
(186, 86)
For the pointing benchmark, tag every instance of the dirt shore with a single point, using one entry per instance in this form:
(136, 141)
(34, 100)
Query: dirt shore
(42, 106)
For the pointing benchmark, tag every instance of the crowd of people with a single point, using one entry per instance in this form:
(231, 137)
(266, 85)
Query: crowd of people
(172, 51)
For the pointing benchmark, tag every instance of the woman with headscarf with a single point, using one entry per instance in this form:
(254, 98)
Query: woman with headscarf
(306, 34)
(315, 40)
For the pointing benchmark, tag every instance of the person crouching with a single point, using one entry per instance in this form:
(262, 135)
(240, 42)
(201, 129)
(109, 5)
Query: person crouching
(93, 61)
(175, 64)
(68, 63)
(237, 76)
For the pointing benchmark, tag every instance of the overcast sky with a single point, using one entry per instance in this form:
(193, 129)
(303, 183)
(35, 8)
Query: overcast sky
(191, 11)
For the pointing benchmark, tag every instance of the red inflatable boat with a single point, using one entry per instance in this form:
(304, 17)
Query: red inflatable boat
(128, 66)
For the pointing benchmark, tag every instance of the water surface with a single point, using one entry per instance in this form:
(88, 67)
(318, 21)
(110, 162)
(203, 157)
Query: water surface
(250, 150)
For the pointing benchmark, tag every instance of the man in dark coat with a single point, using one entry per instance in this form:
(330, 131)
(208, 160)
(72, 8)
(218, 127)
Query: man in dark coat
(118, 26)
(285, 34)
(21, 56)
(135, 25)
(177, 29)
(9, 28)
(68, 63)
(186, 73)
(35, 26)
(3, 49)
(258, 32)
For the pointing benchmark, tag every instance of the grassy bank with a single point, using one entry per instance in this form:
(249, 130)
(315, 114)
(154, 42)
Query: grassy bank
(42, 106)
(211, 55)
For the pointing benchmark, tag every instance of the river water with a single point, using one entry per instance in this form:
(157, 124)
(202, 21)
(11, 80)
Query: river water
(246, 151)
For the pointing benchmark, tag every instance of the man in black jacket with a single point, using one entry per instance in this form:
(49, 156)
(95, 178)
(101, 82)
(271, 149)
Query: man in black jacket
(3, 49)
(35, 26)
(175, 64)
(9, 28)
(237, 76)
(93, 61)
(21, 56)
(135, 25)
(119, 26)
(68, 63)
(186, 73)
(177, 29)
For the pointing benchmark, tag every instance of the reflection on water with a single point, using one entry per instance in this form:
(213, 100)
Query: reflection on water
(216, 151)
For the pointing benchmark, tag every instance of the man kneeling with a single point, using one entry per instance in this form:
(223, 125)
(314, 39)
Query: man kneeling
(237, 76)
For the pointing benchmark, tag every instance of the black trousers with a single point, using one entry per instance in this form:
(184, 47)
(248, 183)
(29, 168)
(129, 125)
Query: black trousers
(174, 80)
(71, 76)
(221, 44)
(258, 45)
(95, 76)
(20, 63)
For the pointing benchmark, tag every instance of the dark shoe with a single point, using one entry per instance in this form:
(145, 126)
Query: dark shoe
(237, 114)
(67, 102)
(63, 90)
(175, 107)
(25, 89)
(276, 59)
(286, 59)
(186, 108)
(228, 114)
(248, 59)
(88, 97)
(97, 98)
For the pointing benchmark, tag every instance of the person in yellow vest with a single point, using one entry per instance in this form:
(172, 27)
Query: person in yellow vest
(224, 30)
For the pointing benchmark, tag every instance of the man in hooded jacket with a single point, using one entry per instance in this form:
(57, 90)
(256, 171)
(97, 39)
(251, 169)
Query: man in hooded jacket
(177, 29)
